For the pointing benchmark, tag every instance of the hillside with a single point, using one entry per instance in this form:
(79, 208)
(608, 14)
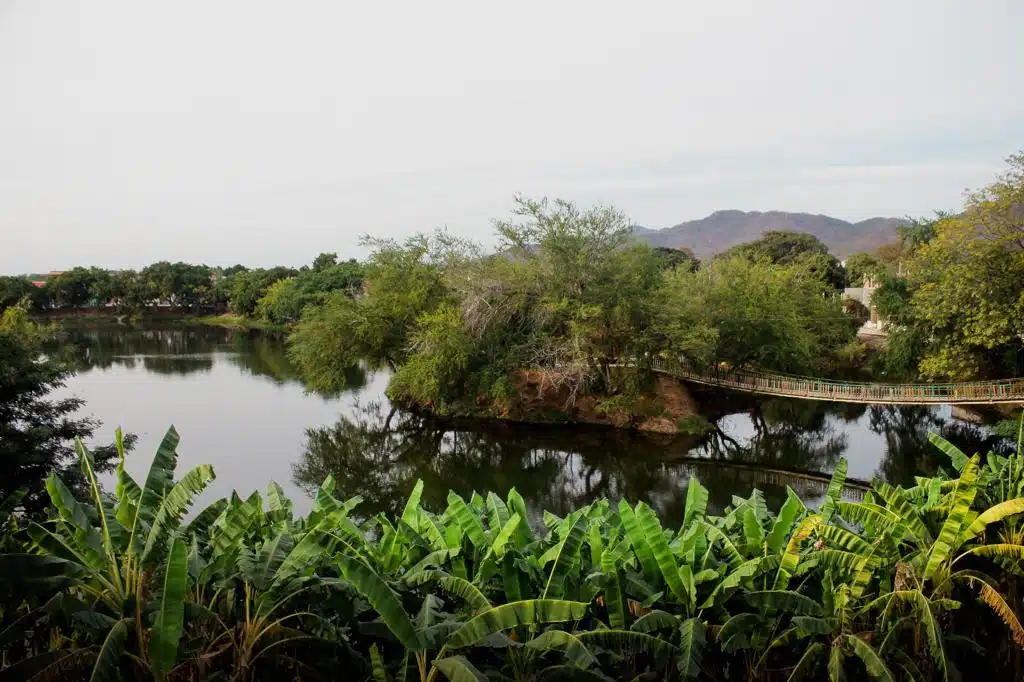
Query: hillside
(723, 229)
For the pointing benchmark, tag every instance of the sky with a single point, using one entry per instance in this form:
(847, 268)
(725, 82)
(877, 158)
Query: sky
(262, 133)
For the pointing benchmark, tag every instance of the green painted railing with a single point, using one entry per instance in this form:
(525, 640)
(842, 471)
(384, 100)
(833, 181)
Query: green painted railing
(972, 392)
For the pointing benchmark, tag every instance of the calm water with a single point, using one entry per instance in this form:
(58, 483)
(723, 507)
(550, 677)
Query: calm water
(236, 402)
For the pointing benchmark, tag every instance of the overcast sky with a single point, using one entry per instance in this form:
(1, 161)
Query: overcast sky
(226, 131)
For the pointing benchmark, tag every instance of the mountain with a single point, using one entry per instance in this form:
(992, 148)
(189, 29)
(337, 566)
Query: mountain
(723, 229)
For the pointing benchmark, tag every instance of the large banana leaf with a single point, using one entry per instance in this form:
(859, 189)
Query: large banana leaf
(869, 657)
(158, 481)
(691, 648)
(897, 503)
(835, 490)
(613, 598)
(173, 507)
(382, 598)
(508, 616)
(559, 640)
(956, 455)
(963, 497)
(696, 502)
(638, 541)
(791, 508)
(572, 532)
(166, 632)
(468, 520)
(666, 561)
(459, 669)
(791, 557)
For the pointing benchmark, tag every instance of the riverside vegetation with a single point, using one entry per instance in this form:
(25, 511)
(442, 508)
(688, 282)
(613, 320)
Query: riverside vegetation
(563, 321)
(916, 583)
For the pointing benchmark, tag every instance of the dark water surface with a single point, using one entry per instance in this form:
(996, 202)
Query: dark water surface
(236, 401)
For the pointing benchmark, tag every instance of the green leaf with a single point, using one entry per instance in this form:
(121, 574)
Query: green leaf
(380, 673)
(655, 620)
(174, 505)
(903, 509)
(159, 480)
(691, 648)
(638, 541)
(791, 508)
(613, 598)
(382, 599)
(166, 634)
(468, 520)
(505, 534)
(459, 669)
(872, 661)
(696, 502)
(753, 533)
(560, 640)
(835, 490)
(455, 586)
(572, 533)
(991, 515)
(629, 642)
(784, 600)
(963, 496)
(668, 567)
(108, 660)
(412, 507)
(956, 455)
(791, 557)
(806, 662)
(508, 616)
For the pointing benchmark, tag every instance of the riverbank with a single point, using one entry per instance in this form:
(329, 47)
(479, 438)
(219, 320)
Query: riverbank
(667, 408)
(99, 317)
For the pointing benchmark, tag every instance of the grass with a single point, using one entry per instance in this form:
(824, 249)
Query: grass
(236, 322)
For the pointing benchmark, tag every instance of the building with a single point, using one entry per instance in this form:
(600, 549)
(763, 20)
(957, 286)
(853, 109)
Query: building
(862, 295)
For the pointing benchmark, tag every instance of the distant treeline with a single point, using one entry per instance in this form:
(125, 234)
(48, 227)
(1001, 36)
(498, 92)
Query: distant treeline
(276, 294)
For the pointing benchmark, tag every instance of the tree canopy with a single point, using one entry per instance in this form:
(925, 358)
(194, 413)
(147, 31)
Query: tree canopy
(568, 296)
(961, 305)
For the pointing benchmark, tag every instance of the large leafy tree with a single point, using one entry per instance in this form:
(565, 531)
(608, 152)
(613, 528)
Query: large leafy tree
(966, 278)
(36, 430)
(764, 316)
(784, 247)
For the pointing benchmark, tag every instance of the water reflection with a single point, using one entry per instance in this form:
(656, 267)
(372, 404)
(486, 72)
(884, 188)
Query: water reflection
(179, 350)
(239, 405)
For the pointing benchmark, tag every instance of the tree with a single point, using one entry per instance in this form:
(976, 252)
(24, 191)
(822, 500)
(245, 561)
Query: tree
(783, 247)
(764, 316)
(281, 304)
(13, 290)
(403, 281)
(861, 266)
(249, 286)
(967, 283)
(71, 289)
(324, 261)
(36, 431)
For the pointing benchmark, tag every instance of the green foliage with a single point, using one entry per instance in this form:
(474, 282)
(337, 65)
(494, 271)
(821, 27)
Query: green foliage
(962, 297)
(862, 266)
(781, 247)
(569, 305)
(762, 315)
(247, 590)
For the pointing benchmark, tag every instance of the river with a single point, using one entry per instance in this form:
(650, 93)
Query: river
(238, 405)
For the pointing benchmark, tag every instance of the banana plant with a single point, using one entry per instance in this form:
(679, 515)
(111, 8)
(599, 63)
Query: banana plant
(126, 558)
(826, 628)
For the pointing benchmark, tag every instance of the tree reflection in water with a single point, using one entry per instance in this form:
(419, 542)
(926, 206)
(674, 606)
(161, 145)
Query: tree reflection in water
(908, 451)
(379, 453)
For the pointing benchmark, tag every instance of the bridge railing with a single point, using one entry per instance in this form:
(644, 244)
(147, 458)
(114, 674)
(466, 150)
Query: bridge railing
(785, 384)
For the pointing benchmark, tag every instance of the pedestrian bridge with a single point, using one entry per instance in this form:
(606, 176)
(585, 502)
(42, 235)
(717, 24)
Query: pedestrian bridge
(809, 388)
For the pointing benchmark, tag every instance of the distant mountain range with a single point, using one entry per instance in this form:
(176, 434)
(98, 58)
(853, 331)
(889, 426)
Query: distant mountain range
(723, 229)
